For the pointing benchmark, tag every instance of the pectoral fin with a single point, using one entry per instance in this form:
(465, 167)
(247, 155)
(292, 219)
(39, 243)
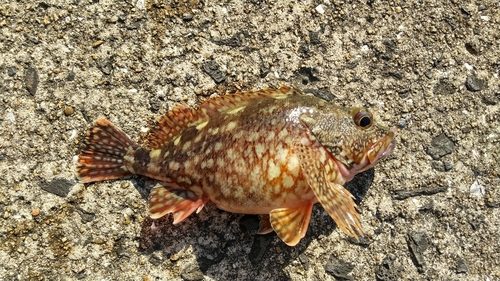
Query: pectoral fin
(291, 223)
(336, 200)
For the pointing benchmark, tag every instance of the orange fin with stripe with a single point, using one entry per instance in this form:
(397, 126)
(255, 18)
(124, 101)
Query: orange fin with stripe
(103, 156)
(171, 125)
(265, 226)
(291, 223)
(337, 201)
(181, 202)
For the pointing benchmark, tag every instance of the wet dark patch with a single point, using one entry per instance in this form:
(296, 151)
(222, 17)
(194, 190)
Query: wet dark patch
(59, 187)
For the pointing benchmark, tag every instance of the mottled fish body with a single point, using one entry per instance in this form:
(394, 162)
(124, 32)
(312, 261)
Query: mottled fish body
(274, 152)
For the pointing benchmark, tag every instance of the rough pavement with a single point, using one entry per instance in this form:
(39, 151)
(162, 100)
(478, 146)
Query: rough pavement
(431, 212)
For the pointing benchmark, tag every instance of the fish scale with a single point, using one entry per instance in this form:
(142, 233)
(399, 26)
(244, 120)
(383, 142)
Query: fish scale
(274, 152)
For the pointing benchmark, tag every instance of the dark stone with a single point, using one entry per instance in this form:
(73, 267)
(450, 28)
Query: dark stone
(154, 104)
(386, 270)
(305, 261)
(71, 76)
(59, 187)
(323, 93)
(259, 247)
(440, 146)
(31, 80)
(85, 215)
(418, 243)
(402, 123)
(156, 258)
(403, 194)
(213, 70)
(314, 37)
(339, 268)
(234, 41)
(462, 266)
(11, 71)
(192, 272)
(448, 165)
(474, 84)
(444, 87)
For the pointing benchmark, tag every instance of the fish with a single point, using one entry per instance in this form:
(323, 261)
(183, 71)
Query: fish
(269, 152)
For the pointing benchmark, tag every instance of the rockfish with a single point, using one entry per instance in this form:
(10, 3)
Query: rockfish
(273, 152)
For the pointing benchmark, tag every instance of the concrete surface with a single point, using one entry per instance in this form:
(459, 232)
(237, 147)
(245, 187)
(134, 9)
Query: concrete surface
(430, 67)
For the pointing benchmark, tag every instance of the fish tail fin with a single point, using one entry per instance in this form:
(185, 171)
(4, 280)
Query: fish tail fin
(181, 202)
(104, 156)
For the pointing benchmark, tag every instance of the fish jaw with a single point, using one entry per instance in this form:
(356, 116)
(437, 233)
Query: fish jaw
(373, 154)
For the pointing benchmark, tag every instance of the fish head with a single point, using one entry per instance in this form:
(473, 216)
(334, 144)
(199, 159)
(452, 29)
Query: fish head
(351, 136)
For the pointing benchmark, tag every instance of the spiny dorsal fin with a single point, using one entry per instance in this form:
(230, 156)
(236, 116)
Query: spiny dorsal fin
(228, 103)
(182, 116)
(171, 125)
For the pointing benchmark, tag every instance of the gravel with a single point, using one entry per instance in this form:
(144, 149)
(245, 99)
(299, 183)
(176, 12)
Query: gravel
(430, 211)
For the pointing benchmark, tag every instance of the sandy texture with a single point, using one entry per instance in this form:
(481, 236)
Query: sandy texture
(431, 67)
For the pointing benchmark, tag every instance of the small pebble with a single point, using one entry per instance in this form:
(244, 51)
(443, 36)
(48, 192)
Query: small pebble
(11, 71)
(474, 84)
(68, 111)
(35, 212)
(97, 43)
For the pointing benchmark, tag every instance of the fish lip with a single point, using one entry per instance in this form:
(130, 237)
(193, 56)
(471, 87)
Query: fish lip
(388, 145)
(370, 158)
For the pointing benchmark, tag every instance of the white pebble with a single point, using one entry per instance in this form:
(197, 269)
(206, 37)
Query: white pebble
(320, 9)
(477, 189)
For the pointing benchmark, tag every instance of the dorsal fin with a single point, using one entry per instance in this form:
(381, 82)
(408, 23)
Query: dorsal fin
(182, 116)
(171, 125)
(227, 103)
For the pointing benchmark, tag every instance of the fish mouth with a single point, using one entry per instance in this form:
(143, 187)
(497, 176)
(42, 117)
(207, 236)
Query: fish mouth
(381, 149)
(375, 152)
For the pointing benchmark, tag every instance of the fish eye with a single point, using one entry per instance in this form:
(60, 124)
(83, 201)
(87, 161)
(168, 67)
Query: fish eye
(363, 119)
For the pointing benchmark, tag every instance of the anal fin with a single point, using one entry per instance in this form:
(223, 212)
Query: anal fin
(291, 223)
(181, 202)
